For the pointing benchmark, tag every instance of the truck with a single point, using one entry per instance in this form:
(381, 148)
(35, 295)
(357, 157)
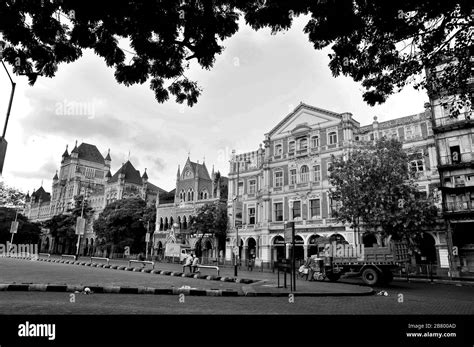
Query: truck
(177, 250)
(374, 264)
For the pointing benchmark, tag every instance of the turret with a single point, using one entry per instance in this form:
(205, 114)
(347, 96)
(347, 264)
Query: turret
(107, 159)
(55, 178)
(65, 155)
(75, 152)
(144, 177)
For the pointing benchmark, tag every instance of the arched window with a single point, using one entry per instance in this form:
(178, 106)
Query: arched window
(185, 223)
(304, 174)
(189, 195)
(166, 224)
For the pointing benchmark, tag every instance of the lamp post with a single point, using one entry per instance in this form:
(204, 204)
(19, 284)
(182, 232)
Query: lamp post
(237, 255)
(147, 239)
(81, 228)
(14, 227)
(3, 142)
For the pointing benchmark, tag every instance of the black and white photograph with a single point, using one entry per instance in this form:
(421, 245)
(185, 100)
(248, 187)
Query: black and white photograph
(250, 172)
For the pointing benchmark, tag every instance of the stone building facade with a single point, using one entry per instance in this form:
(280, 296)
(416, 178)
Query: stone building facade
(287, 180)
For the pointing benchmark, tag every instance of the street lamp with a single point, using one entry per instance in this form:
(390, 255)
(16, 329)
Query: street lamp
(81, 225)
(237, 247)
(3, 142)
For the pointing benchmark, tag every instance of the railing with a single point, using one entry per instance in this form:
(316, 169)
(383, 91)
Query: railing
(463, 117)
(45, 254)
(459, 206)
(464, 158)
(68, 255)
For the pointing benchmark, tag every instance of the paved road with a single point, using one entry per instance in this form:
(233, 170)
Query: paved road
(418, 298)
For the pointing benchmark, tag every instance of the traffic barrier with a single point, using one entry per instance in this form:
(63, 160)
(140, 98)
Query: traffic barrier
(68, 255)
(101, 258)
(45, 254)
(144, 262)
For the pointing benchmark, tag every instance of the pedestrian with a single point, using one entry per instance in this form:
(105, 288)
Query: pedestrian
(195, 264)
(188, 261)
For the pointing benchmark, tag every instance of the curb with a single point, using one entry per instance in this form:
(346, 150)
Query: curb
(437, 281)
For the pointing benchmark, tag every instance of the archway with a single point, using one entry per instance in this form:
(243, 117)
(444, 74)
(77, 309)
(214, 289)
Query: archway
(299, 248)
(86, 248)
(207, 249)
(427, 250)
(278, 248)
(313, 245)
(160, 250)
(338, 238)
(251, 248)
(46, 245)
(185, 223)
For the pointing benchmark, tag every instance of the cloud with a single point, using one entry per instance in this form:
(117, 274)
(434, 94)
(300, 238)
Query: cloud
(46, 170)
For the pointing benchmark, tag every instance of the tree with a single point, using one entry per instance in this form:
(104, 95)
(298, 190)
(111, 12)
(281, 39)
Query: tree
(11, 197)
(383, 44)
(121, 224)
(374, 189)
(212, 219)
(28, 233)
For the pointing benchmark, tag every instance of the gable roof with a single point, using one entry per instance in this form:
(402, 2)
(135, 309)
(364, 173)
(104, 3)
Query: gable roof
(199, 169)
(132, 175)
(40, 194)
(297, 109)
(152, 187)
(89, 152)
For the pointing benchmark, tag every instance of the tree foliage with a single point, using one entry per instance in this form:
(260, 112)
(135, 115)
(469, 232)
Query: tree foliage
(382, 44)
(28, 233)
(374, 189)
(122, 223)
(211, 219)
(11, 197)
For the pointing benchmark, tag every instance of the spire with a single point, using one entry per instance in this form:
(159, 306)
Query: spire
(145, 176)
(108, 156)
(66, 153)
(212, 174)
(108, 175)
(55, 176)
(179, 172)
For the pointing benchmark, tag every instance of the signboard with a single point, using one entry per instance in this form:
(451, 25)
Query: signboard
(236, 250)
(14, 228)
(289, 228)
(443, 258)
(3, 152)
(147, 237)
(80, 226)
(238, 212)
(172, 250)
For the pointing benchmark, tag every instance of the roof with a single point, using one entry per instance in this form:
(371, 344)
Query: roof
(89, 152)
(393, 123)
(152, 187)
(132, 175)
(200, 170)
(41, 194)
(300, 106)
(166, 198)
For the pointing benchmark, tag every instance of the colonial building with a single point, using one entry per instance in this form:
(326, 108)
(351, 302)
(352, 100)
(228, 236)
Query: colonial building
(175, 210)
(454, 136)
(287, 180)
(86, 172)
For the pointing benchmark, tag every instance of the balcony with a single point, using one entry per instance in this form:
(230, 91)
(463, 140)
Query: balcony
(465, 160)
(464, 120)
(302, 152)
(458, 207)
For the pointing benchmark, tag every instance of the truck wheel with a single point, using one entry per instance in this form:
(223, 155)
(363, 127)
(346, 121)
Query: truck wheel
(370, 276)
(333, 277)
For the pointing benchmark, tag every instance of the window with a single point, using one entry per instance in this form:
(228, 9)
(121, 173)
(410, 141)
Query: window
(416, 162)
(412, 131)
(279, 179)
(291, 146)
(303, 143)
(332, 207)
(372, 137)
(241, 188)
(278, 149)
(315, 141)
(304, 174)
(296, 209)
(293, 176)
(332, 136)
(315, 208)
(251, 214)
(278, 208)
(317, 173)
(252, 185)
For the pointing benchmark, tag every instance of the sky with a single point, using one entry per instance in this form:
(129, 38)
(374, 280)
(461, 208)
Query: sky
(258, 80)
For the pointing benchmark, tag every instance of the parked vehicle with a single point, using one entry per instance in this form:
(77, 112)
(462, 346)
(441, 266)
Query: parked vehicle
(177, 250)
(374, 264)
